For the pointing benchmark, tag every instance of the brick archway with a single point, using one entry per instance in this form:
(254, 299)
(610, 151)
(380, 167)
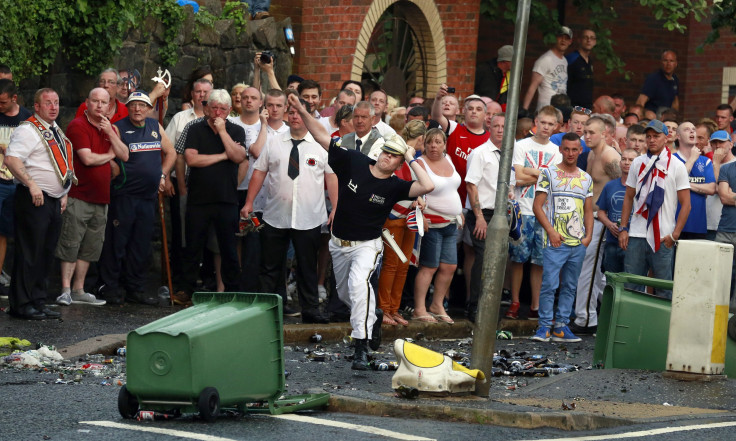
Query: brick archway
(428, 25)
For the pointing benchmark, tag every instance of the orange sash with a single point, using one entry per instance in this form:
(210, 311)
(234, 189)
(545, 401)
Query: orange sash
(61, 158)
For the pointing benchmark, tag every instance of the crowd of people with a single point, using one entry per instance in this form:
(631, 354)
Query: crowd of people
(601, 186)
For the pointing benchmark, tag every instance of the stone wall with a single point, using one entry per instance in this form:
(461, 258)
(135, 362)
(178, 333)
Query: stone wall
(230, 55)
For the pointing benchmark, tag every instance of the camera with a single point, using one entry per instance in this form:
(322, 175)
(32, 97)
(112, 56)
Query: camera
(266, 57)
(450, 90)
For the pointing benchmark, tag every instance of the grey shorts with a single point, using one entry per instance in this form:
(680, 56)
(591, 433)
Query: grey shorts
(82, 231)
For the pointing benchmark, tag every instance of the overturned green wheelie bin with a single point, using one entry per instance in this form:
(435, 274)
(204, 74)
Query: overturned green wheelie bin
(226, 351)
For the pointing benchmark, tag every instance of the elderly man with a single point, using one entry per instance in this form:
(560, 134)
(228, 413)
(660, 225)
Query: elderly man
(125, 253)
(40, 158)
(109, 80)
(96, 142)
(661, 88)
(213, 151)
(366, 139)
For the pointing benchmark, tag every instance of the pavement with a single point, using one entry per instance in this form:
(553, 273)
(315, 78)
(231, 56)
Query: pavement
(601, 397)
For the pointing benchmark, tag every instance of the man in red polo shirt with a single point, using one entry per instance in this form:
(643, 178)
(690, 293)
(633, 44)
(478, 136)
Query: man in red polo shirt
(115, 111)
(96, 142)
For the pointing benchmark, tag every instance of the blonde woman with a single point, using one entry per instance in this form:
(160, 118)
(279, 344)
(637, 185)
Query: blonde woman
(393, 271)
(438, 254)
(235, 92)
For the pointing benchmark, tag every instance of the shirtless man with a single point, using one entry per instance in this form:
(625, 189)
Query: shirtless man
(603, 166)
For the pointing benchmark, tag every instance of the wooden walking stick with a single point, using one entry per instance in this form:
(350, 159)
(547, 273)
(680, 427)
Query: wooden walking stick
(165, 79)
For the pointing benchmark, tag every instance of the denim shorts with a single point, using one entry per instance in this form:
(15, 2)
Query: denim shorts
(531, 244)
(439, 245)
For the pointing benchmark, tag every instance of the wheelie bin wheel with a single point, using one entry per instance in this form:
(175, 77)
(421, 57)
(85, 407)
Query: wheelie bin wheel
(209, 404)
(127, 403)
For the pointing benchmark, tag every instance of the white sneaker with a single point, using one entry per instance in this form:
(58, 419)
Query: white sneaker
(65, 299)
(86, 298)
(322, 291)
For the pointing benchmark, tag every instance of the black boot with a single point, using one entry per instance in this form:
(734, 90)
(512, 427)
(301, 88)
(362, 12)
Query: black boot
(360, 359)
(375, 341)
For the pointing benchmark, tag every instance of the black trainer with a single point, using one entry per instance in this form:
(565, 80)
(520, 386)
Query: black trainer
(582, 330)
(375, 341)
(360, 359)
(139, 297)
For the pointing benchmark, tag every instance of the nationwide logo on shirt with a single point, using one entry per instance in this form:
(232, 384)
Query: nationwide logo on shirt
(144, 146)
(380, 200)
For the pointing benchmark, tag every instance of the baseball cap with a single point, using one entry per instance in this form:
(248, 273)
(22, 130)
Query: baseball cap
(720, 135)
(505, 53)
(473, 97)
(658, 126)
(564, 30)
(139, 96)
(394, 145)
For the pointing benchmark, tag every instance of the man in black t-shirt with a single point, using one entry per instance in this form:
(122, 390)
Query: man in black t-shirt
(11, 114)
(367, 190)
(213, 151)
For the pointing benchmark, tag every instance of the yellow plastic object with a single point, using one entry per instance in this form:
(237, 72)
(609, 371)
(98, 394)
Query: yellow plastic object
(430, 371)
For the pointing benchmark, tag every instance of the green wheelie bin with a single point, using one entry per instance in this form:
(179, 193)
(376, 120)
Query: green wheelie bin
(226, 351)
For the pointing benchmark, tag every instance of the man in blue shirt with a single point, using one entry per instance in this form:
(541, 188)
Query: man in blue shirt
(661, 88)
(702, 181)
(610, 202)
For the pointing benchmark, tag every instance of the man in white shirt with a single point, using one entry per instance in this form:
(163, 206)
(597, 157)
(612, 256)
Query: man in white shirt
(549, 75)
(379, 101)
(655, 185)
(531, 155)
(481, 179)
(40, 198)
(294, 169)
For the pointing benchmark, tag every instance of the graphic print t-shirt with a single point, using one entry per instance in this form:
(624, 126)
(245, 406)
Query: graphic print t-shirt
(566, 194)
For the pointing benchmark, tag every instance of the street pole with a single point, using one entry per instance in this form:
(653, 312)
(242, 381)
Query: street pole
(497, 239)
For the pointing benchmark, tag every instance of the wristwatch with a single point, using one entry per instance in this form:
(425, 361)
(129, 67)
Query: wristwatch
(620, 229)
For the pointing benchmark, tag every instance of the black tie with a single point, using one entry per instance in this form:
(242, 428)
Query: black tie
(57, 137)
(294, 159)
(358, 143)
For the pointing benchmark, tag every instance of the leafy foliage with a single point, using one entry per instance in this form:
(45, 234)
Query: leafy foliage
(602, 15)
(237, 11)
(89, 33)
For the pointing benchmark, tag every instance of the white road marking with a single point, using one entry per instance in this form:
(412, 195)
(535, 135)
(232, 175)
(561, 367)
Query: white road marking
(162, 431)
(356, 427)
(641, 433)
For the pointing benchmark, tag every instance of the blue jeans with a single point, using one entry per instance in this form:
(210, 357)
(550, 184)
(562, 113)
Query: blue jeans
(613, 258)
(255, 6)
(561, 268)
(640, 257)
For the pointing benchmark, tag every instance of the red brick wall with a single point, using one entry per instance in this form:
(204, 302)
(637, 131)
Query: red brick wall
(705, 70)
(327, 31)
(639, 41)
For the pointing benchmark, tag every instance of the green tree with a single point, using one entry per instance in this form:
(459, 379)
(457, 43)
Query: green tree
(89, 33)
(602, 13)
